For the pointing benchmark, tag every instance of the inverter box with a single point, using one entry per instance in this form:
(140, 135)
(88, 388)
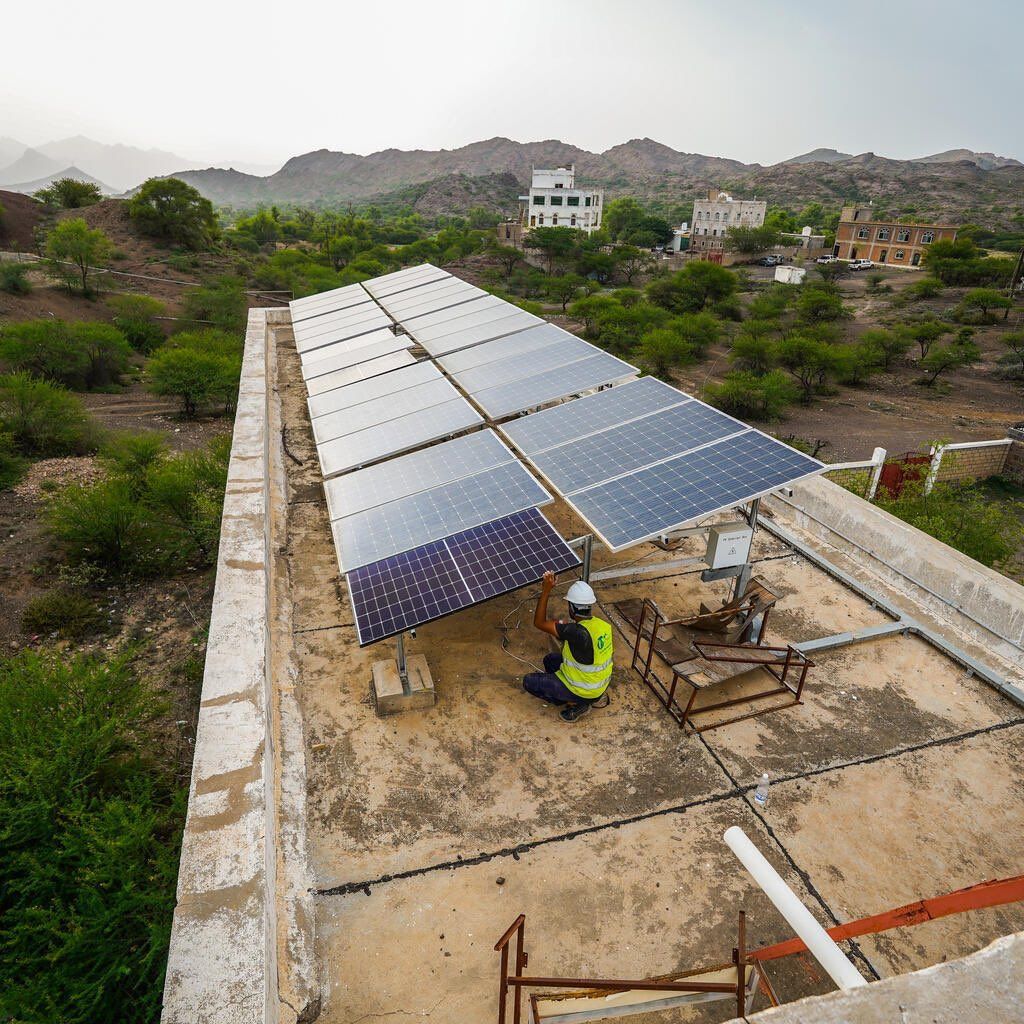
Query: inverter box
(728, 545)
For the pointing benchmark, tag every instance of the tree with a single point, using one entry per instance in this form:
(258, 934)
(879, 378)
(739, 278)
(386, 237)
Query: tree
(856, 362)
(14, 278)
(135, 317)
(750, 240)
(622, 216)
(507, 257)
(808, 360)
(564, 289)
(832, 272)
(744, 394)
(662, 348)
(818, 304)
(106, 352)
(589, 310)
(699, 330)
(980, 302)
(950, 356)
(70, 194)
(173, 210)
(222, 302)
(631, 261)
(887, 345)
(43, 419)
(754, 353)
(925, 333)
(556, 245)
(925, 288)
(690, 290)
(1014, 341)
(76, 251)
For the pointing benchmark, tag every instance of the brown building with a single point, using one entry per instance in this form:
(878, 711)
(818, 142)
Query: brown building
(862, 236)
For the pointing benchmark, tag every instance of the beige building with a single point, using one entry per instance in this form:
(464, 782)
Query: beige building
(715, 215)
(861, 234)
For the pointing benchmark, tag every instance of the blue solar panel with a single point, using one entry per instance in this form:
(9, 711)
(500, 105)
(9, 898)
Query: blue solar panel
(586, 416)
(631, 446)
(659, 498)
(436, 579)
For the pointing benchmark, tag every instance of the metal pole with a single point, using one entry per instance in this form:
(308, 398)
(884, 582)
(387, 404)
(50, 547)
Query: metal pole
(743, 578)
(403, 669)
(588, 552)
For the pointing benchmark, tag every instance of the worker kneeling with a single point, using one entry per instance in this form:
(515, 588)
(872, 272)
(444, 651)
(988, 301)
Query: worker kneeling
(578, 677)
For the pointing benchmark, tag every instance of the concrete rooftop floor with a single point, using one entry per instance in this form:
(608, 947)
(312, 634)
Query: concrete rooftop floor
(430, 831)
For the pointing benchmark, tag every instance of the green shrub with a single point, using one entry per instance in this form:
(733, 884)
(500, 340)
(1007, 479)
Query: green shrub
(926, 288)
(90, 827)
(663, 349)
(134, 317)
(43, 419)
(130, 456)
(12, 465)
(224, 304)
(14, 278)
(68, 614)
(195, 377)
(81, 355)
(748, 396)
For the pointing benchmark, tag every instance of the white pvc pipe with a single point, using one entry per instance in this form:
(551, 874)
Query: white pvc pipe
(817, 940)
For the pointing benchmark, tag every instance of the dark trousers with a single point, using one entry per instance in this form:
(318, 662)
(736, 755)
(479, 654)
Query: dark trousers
(546, 686)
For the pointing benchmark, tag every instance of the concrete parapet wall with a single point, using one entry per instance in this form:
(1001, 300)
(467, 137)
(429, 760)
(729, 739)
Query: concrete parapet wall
(957, 590)
(240, 851)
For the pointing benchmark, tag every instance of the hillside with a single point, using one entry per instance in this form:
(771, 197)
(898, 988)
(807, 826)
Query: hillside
(30, 187)
(957, 191)
(21, 216)
(986, 161)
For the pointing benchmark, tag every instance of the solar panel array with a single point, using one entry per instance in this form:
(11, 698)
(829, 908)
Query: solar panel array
(426, 521)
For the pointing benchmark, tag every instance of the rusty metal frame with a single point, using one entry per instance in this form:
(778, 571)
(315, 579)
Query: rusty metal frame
(518, 981)
(790, 659)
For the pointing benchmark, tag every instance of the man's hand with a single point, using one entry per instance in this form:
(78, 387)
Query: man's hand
(549, 580)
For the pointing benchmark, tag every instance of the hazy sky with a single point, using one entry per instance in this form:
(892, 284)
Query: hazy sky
(756, 80)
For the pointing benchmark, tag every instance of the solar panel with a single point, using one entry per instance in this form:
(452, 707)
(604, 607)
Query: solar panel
(668, 495)
(571, 378)
(366, 414)
(323, 302)
(631, 446)
(382, 290)
(399, 435)
(429, 515)
(415, 472)
(406, 273)
(343, 333)
(429, 582)
(370, 390)
(483, 307)
(337, 323)
(475, 335)
(361, 371)
(518, 344)
(586, 416)
(430, 298)
(345, 354)
(503, 371)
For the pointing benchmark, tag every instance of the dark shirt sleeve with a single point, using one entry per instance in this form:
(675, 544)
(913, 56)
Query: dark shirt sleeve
(581, 646)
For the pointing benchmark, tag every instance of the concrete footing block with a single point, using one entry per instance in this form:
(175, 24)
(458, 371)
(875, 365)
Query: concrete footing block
(391, 697)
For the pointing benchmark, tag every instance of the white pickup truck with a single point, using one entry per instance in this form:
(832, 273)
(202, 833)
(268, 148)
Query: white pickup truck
(861, 264)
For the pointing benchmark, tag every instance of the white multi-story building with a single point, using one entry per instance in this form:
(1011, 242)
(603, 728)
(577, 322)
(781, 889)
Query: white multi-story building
(555, 201)
(715, 215)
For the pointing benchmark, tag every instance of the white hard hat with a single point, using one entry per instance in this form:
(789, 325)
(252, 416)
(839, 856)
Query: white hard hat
(581, 594)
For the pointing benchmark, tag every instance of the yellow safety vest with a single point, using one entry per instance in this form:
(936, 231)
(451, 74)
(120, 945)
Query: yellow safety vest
(589, 681)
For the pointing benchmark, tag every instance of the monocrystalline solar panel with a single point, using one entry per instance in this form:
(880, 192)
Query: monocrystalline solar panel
(444, 321)
(475, 335)
(325, 302)
(415, 472)
(337, 324)
(663, 497)
(519, 344)
(504, 371)
(382, 291)
(569, 379)
(436, 579)
(361, 371)
(431, 298)
(399, 435)
(380, 411)
(342, 356)
(438, 512)
(633, 445)
(353, 331)
(586, 416)
(371, 390)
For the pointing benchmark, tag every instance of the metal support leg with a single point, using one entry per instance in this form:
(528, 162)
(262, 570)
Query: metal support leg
(588, 551)
(403, 667)
(746, 572)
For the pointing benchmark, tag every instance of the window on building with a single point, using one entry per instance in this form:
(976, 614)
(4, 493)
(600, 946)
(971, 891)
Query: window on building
(714, 232)
(558, 184)
(903, 235)
(533, 220)
(538, 200)
(705, 231)
(915, 259)
(556, 200)
(899, 254)
(928, 237)
(572, 220)
(586, 201)
(554, 219)
(716, 218)
(541, 221)
(883, 234)
(572, 200)
(862, 233)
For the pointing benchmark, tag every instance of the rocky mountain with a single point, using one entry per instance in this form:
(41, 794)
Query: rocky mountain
(10, 150)
(30, 165)
(959, 191)
(986, 161)
(29, 187)
(819, 156)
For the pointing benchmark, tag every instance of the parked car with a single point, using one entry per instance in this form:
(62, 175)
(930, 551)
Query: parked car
(771, 260)
(861, 264)
(827, 258)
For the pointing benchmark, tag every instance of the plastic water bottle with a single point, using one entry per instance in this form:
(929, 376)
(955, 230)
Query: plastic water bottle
(761, 793)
